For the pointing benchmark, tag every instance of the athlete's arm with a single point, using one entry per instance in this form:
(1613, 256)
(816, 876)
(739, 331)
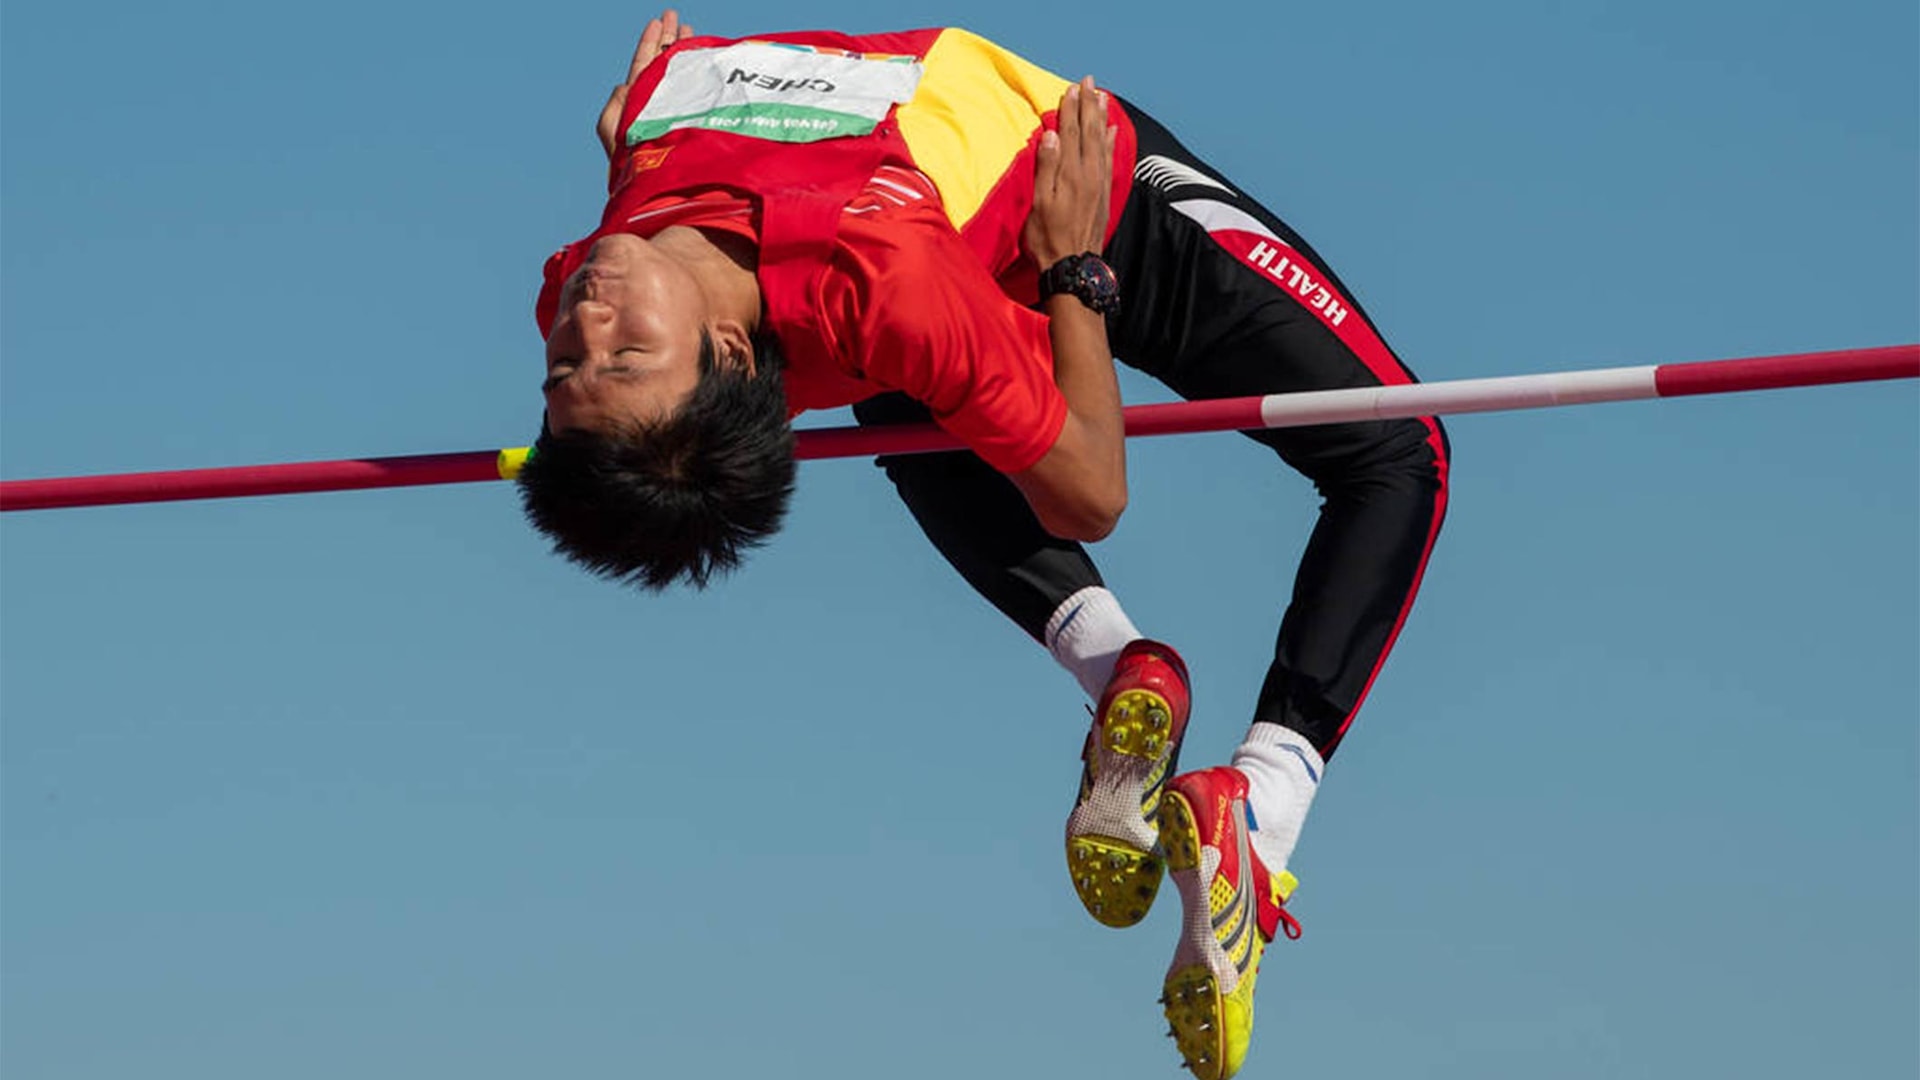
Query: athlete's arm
(662, 31)
(1078, 489)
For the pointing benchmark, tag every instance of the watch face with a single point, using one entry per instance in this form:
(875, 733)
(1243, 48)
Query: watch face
(1096, 284)
(1087, 277)
(1099, 277)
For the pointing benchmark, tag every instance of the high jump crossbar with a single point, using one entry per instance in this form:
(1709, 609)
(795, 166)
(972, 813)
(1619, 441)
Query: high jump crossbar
(1224, 414)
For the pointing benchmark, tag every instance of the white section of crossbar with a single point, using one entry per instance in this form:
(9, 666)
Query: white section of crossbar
(1459, 396)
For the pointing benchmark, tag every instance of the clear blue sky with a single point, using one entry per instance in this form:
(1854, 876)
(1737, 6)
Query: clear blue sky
(369, 785)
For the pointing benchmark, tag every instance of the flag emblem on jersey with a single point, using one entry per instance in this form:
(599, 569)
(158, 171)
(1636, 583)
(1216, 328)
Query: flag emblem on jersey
(779, 92)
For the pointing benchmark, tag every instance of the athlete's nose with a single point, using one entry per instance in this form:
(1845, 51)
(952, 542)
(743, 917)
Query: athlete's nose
(594, 319)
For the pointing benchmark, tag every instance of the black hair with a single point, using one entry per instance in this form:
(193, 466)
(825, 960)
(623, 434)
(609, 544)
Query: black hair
(686, 495)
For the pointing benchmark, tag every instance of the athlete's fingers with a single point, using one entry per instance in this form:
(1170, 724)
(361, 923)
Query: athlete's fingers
(1069, 134)
(1093, 124)
(662, 31)
(610, 117)
(1046, 167)
(1099, 120)
(1106, 187)
(1091, 157)
(647, 48)
(1100, 143)
(1098, 127)
(1069, 119)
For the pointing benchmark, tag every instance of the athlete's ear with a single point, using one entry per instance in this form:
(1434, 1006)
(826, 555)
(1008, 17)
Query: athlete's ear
(732, 346)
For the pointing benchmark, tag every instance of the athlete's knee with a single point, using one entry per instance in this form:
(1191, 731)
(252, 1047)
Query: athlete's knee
(1411, 454)
(1432, 453)
(1414, 460)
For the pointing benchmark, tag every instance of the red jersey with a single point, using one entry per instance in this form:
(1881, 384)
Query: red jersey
(886, 181)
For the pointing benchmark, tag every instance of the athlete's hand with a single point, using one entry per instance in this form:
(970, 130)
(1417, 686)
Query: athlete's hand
(1072, 179)
(661, 32)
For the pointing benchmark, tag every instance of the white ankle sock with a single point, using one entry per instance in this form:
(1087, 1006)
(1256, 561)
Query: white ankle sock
(1283, 771)
(1086, 633)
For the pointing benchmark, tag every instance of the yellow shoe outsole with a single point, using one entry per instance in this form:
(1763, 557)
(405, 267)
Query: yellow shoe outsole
(1138, 722)
(1178, 836)
(1194, 1008)
(1116, 881)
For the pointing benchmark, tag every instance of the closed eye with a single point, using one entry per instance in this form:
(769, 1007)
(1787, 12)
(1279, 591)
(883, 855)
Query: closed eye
(619, 372)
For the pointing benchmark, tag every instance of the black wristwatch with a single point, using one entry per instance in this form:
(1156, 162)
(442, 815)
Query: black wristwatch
(1086, 276)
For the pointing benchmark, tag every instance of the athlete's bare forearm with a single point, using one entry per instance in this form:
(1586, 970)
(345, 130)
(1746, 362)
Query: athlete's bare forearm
(1078, 489)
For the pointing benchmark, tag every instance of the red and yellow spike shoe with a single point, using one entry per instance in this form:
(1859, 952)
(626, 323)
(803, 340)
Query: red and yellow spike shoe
(1233, 907)
(1130, 753)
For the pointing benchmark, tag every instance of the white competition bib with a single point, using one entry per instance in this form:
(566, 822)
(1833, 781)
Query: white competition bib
(786, 93)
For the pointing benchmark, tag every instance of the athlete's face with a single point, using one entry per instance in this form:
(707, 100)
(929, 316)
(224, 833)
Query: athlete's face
(625, 345)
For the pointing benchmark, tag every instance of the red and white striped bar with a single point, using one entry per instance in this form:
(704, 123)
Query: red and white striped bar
(1227, 414)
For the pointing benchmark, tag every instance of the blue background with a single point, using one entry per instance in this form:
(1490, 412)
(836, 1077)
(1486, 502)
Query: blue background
(368, 784)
